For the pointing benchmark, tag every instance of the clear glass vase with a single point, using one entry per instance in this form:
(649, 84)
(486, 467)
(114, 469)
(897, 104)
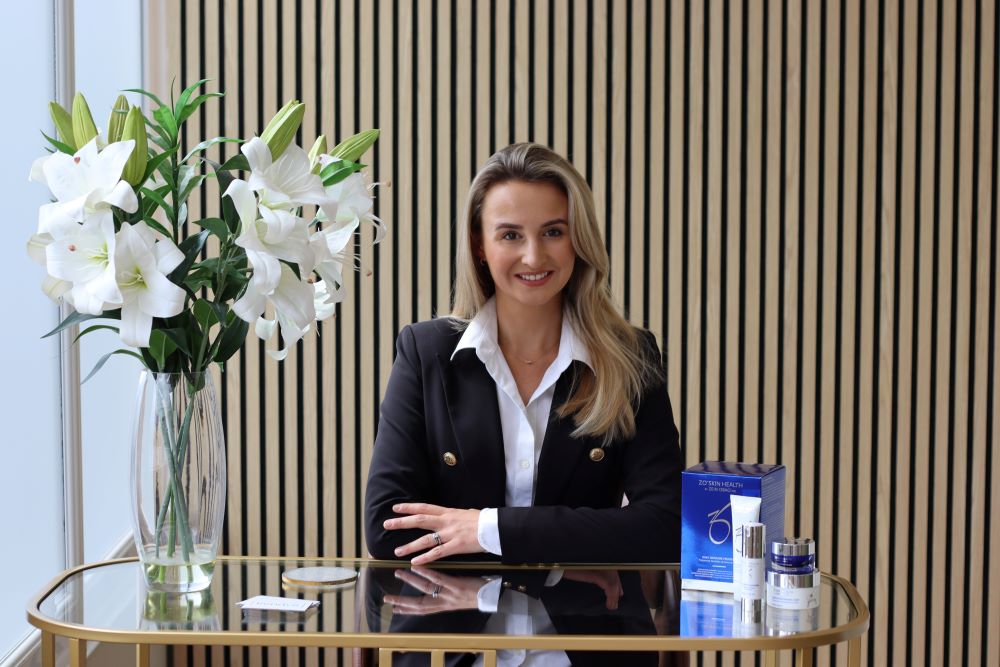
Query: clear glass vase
(178, 480)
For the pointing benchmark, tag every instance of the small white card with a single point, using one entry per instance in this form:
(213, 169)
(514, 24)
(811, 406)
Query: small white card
(273, 603)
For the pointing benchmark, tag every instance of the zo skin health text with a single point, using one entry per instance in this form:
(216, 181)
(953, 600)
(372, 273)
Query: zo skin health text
(707, 526)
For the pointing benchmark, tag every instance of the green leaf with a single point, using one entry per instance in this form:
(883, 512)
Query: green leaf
(60, 146)
(148, 94)
(160, 201)
(182, 214)
(205, 314)
(154, 163)
(191, 247)
(103, 360)
(232, 338)
(229, 213)
(167, 121)
(193, 106)
(95, 328)
(178, 337)
(153, 223)
(216, 226)
(335, 172)
(190, 185)
(161, 347)
(208, 144)
(237, 162)
(77, 318)
(186, 94)
(162, 142)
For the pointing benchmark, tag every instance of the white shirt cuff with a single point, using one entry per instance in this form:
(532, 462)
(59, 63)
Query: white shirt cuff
(488, 531)
(555, 576)
(488, 597)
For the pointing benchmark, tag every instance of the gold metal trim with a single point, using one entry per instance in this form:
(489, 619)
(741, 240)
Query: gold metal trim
(451, 642)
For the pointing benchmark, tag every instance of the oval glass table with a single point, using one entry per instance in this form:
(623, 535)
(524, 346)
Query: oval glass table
(395, 614)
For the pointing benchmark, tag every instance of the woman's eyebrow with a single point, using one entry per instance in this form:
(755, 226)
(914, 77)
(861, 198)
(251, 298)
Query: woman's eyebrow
(514, 225)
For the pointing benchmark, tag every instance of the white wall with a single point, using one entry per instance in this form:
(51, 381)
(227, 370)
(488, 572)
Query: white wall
(31, 546)
(108, 57)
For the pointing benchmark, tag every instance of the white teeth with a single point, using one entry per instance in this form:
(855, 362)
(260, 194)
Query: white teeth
(533, 276)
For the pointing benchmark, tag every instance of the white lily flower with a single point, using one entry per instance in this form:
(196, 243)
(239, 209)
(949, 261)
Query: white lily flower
(141, 269)
(285, 183)
(86, 182)
(328, 246)
(294, 309)
(350, 201)
(269, 236)
(54, 288)
(85, 256)
(326, 301)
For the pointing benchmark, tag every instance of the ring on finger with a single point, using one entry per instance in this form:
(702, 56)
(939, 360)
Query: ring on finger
(437, 591)
(437, 539)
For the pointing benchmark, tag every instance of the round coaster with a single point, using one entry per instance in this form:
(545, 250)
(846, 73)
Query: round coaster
(319, 576)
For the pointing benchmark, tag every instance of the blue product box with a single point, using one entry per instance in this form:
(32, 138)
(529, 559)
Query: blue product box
(707, 521)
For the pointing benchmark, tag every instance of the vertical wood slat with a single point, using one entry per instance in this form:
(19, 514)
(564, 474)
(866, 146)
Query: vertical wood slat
(812, 311)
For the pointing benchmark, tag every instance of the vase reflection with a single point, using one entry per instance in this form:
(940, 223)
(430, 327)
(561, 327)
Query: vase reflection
(162, 610)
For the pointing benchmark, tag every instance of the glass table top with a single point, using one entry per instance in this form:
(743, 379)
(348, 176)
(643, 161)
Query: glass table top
(453, 599)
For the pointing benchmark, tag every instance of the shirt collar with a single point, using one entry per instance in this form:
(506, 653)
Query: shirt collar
(481, 336)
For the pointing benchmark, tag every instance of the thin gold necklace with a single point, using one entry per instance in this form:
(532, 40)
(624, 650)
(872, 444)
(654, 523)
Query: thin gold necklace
(531, 362)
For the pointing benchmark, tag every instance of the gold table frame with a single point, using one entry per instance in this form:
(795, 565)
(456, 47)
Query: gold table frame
(436, 644)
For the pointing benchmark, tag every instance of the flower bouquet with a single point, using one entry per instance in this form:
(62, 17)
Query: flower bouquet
(118, 246)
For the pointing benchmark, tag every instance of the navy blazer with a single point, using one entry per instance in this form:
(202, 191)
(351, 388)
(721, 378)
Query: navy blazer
(434, 405)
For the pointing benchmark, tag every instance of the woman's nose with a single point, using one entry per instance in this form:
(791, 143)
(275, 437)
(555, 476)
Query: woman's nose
(533, 253)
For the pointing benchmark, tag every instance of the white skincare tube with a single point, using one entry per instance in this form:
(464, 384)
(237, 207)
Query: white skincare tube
(745, 509)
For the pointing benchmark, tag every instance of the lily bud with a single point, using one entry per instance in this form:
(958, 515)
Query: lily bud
(83, 123)
(116, 121)
(318, 148)
(64, 124)
(352, 148)
(135, 128)
(280, 131)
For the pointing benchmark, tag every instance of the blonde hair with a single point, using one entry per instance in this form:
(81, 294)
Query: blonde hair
(602, 403)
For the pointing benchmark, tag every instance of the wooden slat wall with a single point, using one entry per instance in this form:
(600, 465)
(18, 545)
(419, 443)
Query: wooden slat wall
(800, 199)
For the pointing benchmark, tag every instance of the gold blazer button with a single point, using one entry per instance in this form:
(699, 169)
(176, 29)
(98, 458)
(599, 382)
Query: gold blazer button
(596, 454)
(450, 459)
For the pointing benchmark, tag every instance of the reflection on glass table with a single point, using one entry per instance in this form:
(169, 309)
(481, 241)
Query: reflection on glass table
(496, 612)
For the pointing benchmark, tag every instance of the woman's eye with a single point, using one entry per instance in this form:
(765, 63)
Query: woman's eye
(508, 236)
(553, 232)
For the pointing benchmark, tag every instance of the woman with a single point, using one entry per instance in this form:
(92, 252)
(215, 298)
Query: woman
(535, 404)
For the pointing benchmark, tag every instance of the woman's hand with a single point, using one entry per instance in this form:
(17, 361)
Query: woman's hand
(441, 592)
(607, 580)
(451, 531)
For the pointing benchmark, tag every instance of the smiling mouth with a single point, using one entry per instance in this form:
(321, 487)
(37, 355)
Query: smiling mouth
(534, 277)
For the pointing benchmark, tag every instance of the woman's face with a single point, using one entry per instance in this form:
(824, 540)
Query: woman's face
(525, 241)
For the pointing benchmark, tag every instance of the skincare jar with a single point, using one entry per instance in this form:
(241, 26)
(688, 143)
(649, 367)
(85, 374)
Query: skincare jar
(793, 555)
(792, 591)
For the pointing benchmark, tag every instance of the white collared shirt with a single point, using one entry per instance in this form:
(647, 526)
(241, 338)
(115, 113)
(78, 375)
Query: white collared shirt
(523, 425)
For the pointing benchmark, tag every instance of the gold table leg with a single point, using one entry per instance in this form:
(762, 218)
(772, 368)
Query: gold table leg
(771, 659)
(48, 649)
(489, 659)
(142, 655)
(803, 657)
(854, 652)
(77, 653)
